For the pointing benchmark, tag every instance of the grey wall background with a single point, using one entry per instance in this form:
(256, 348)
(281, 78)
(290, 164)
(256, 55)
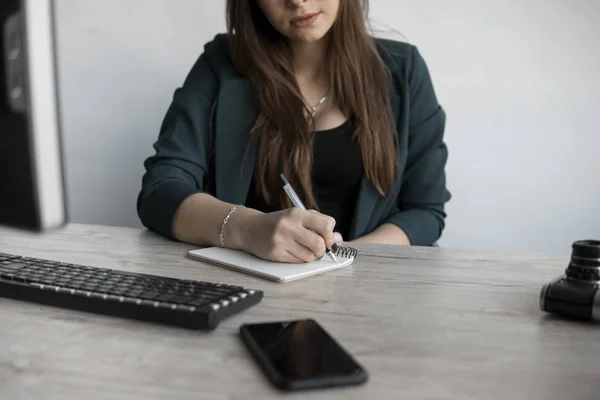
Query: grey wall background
(520, 81)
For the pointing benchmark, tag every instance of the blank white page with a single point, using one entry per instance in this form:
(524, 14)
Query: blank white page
(279, 272)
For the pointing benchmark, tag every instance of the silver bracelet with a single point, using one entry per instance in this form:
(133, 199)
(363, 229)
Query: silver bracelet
(221, 236)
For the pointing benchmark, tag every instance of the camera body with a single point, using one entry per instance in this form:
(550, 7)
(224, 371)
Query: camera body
(576, 294)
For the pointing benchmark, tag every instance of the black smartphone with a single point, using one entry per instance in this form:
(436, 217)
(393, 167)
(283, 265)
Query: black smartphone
(300, 354)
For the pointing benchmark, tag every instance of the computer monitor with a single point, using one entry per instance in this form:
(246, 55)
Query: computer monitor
(32, 194)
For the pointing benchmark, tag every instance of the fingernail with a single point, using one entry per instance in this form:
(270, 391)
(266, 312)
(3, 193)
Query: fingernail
(334, 248)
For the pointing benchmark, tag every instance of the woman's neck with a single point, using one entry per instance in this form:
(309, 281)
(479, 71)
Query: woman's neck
(308, 60)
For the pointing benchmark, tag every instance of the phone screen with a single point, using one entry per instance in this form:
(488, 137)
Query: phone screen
(301, 353)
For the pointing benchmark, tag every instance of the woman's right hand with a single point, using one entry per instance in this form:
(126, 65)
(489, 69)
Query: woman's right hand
(285, 236)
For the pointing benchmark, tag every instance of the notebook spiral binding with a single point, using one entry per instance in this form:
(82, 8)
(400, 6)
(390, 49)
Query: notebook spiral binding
(346, 252)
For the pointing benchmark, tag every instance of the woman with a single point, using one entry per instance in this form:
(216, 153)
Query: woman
(299, 88)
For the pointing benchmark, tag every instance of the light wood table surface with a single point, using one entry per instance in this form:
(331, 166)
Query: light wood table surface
(427, 323)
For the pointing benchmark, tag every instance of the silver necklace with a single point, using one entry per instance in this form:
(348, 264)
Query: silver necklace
(313, 109)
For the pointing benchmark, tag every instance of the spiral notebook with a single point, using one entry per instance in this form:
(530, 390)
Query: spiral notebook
(278, 272)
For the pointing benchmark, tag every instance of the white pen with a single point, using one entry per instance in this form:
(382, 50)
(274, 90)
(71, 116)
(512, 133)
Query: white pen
(289, 190)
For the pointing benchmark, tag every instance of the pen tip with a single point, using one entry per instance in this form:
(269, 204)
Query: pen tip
(332, 256)
(285, 182)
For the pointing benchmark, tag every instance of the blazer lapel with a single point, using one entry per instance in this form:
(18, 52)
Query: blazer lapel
(235, 151)
(367, 194)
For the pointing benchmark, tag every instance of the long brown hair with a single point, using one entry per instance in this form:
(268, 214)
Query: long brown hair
(359, 84)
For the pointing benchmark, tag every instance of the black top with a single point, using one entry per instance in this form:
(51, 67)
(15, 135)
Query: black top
(336, 175)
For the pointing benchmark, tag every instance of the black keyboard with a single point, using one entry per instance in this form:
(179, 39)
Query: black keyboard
(186, 303)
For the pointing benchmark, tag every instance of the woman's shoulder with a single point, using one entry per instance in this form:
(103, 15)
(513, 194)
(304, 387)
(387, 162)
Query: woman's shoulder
(400, 56)
(218, 56)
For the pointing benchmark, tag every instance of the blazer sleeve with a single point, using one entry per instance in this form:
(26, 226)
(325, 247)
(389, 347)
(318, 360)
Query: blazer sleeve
(179, 167)
(423, 194)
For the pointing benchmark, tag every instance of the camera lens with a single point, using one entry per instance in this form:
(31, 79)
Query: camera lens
(585, 261)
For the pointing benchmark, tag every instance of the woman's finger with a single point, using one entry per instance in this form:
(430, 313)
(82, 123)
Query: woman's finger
(301, 252)
(320, 223)
(310, 240)
(338, 238)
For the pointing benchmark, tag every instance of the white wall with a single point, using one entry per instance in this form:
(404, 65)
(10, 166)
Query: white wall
(119, 62)
(520, 81)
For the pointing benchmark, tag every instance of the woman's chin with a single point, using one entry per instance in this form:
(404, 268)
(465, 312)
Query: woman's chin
(307, 37)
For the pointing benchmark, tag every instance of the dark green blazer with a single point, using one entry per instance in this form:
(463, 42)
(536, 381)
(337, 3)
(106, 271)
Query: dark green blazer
(190, 159)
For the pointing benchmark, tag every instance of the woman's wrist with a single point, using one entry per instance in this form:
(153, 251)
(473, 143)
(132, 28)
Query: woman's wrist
(237, 232)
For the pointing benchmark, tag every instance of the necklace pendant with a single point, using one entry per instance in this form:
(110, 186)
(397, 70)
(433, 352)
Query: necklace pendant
(314, 108)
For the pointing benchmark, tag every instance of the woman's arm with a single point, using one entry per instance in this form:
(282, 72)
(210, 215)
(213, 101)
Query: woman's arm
(420, 218)
(179, 167)
(198, 220)
(176, 202)
(291, 235)
(385, 234)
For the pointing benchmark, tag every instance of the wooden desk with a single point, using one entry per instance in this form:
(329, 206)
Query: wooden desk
(427, 323)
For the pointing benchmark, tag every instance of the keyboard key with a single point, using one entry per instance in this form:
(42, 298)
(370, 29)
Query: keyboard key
(13, 266)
